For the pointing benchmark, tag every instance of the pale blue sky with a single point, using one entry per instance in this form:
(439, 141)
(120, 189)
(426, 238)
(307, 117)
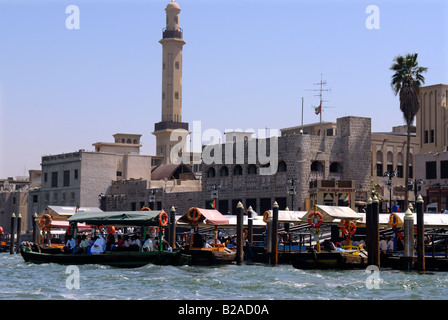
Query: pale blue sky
(247, 64)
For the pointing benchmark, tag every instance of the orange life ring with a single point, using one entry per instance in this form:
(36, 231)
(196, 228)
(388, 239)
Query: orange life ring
(145, 209)
(266, 216)
(193, 214)
(163, 218)
(315, 222)
(393, 220)
(45, 223)
(344, 227)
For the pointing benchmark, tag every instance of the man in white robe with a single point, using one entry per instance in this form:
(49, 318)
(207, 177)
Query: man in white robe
(99, 245)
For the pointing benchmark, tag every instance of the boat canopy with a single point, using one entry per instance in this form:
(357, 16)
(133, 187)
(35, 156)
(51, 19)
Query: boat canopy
(118, 218)
(334, 214)
(285, 216)
(207, 216)
(430, 220)
(64, 212)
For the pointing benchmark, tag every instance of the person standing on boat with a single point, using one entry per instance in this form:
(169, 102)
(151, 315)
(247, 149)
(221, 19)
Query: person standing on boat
(148, 244)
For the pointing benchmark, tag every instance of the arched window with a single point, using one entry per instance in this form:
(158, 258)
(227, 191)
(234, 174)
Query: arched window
(336, 167)
(281, 166)
(379, 164)
(317, 166)
(252, 169)
(224, 172)
(237, 170)
(211, 173)
(390, 161)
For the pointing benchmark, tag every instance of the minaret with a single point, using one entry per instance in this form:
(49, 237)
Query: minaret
(172, 43)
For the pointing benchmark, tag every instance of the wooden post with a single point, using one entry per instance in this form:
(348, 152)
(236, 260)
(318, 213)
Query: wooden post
(375, 233)
(420, 234)
(173, 227)
(369, 242)
(274, 259)
(13, 230)
(19, 231)
(239, 233)
(35, 229)
(250, 224)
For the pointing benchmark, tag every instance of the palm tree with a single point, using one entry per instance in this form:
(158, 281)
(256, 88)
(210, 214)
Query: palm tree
(406, 81)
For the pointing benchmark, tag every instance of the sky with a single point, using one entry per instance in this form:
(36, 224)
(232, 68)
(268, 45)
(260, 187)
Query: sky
(247, 64)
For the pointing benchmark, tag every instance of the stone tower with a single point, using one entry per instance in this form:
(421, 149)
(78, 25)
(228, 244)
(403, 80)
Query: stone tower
(171, 129)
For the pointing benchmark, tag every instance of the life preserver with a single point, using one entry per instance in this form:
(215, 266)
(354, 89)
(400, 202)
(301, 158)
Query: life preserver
(145, 209)
(193, 214)
(344, 227)
(45, 223)
(393, 220)
(315, 222)
(163, 218)
(266, 216)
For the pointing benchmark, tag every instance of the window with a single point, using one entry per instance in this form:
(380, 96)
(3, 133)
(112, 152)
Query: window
(317, 166)
(281, 166)
(54, 179)
(329, 132)
(66, 182)
(252, 169)
(443, 169)
(238, 170)
(177, 64)
(45, 177)
(176, 95)
(431, 170)
(211, 173)
(426, 136)
(399, 171)
(336, 167)
(118, 173)
(224, 172)
(35, 198)
(76, 173)
(379, 170)
(432, 136)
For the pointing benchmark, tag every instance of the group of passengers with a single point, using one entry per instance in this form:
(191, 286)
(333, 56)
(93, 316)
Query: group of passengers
(102, 242)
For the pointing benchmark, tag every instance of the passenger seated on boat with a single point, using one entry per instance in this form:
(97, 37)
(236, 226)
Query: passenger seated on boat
(135, 244)
(99, 245)
(198, 242)
(148, 245)
(84, 244)
(339, 249)
(110, 243)
(120, 242)
(328, 245)
(166, 245)
(70, 246)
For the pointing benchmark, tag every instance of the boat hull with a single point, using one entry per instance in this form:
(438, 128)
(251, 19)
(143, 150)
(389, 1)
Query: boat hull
(114, 259)
(327, 260)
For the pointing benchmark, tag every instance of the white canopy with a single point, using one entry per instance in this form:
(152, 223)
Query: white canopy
(334, 213)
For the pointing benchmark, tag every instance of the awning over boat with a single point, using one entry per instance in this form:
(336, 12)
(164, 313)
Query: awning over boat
(430, 220)
(334, 214)
(207, 216)
(118, 218)
(285, 216)
(66, 224)
(64, 212)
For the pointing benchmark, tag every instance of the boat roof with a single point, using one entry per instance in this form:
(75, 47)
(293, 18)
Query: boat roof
(430, 220)
(334, 213)
(208, 217)
(118, 218)
(64, 212)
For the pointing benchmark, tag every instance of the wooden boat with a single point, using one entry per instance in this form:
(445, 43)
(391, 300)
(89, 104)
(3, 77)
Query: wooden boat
(130, 259)
(123, 259)
(328, 260)
(218, 254)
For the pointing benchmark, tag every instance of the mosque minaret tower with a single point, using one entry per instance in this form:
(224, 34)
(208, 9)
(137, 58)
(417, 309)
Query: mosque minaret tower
(172, 43)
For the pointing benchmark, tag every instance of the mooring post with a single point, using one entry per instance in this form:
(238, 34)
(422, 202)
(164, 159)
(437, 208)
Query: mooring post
(173, 227)
(369, 242)
(409, 232)
(250, 226)
(420, 234)
(239, 233)
(13, 230)
(19, 231)
(35, 230)
(375, 232)
(274, 259)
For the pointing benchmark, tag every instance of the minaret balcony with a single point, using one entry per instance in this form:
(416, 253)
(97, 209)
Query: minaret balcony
(169, 34)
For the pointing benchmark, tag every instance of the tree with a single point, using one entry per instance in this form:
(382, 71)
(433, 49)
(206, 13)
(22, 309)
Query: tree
(406, 81)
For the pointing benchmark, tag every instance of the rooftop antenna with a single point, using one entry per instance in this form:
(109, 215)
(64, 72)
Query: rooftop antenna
(318, 110)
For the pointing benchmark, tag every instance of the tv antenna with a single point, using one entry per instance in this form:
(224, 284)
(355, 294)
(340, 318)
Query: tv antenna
(318, 109)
